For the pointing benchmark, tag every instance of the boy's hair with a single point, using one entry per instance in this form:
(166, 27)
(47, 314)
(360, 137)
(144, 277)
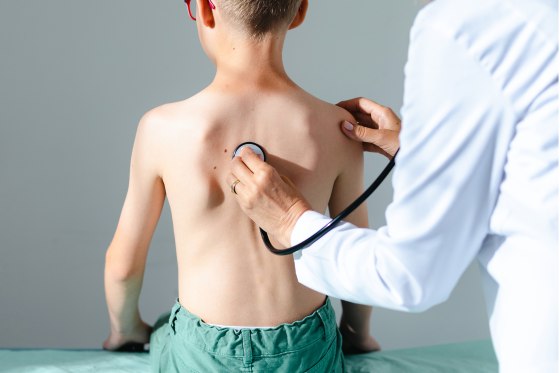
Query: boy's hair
(259, 17)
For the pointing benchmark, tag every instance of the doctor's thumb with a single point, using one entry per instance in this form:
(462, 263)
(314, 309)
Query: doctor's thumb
(359, 133)
(385, 142)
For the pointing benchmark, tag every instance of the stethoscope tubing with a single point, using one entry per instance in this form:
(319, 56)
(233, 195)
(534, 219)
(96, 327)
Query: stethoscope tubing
(334, 222)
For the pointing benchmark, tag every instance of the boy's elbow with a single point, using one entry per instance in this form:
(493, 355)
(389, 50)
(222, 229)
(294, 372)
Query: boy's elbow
(119, 270)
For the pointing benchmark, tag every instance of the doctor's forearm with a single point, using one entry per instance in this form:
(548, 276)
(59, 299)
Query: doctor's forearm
(360, 269)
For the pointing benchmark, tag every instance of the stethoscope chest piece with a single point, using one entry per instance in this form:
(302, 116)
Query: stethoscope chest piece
(256, 148)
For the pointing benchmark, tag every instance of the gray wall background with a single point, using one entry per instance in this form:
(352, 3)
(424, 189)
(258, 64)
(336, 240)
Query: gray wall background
(75, 77)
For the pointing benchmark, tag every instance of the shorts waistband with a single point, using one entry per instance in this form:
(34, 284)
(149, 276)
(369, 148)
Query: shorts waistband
(319, 326)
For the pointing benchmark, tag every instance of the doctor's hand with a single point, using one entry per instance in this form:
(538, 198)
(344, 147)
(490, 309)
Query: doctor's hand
(270, 200)
(378, 126)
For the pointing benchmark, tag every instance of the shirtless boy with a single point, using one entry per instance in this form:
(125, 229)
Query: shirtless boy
(240, 308)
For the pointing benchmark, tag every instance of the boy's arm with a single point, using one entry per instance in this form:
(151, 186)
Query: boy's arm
(127, 253)
(355, 321)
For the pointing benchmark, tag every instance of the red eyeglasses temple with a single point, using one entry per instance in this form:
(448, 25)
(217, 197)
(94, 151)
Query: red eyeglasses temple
(188, 2)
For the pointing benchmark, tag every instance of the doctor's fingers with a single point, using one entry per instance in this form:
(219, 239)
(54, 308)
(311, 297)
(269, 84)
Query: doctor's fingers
(253, 161)
(262, 196)
(365, 120)
(240, 190)
(240, 170)
(361, 105)
(256, 181)
(383, 116)
(385, 142)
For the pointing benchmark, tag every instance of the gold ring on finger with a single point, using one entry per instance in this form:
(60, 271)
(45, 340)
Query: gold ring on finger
(233, 185)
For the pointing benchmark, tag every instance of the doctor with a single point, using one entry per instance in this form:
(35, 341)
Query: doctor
(476, 177)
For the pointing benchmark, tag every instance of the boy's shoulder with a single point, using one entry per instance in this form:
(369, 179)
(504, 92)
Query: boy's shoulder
(328, 110)
(161, 127)
(328, 119)
(170, 116)
(166, 114)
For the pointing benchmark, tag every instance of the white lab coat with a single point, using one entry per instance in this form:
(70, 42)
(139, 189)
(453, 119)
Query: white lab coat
(476, 177)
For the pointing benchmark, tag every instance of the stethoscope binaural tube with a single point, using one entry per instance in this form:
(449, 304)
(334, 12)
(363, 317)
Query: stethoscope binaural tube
(334, 222)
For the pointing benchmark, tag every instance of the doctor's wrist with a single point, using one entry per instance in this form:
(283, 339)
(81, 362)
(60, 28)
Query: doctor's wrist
(289, 220)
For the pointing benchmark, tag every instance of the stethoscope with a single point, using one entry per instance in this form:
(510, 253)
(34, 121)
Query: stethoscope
(257, 149)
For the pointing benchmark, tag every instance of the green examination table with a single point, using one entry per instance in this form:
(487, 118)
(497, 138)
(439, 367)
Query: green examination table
(468, 357)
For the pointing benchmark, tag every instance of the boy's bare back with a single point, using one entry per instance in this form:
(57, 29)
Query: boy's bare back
(183, 153)
(226, 276)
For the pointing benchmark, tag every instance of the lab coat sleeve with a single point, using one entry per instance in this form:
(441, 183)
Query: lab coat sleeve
(443, 192)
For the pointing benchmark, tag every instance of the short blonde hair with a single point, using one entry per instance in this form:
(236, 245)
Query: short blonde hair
(259, 17)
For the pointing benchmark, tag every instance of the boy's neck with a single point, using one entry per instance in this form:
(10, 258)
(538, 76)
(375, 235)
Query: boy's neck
(242, 63)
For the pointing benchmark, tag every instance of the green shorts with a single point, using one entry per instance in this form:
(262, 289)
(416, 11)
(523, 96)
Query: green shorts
(184, 343)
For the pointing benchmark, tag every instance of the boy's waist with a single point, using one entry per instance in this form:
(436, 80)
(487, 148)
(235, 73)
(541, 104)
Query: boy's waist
(245, 296)
(318, 327)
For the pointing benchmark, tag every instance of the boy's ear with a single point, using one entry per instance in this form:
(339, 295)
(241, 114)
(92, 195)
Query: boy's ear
(300, 15)
(205, 13)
